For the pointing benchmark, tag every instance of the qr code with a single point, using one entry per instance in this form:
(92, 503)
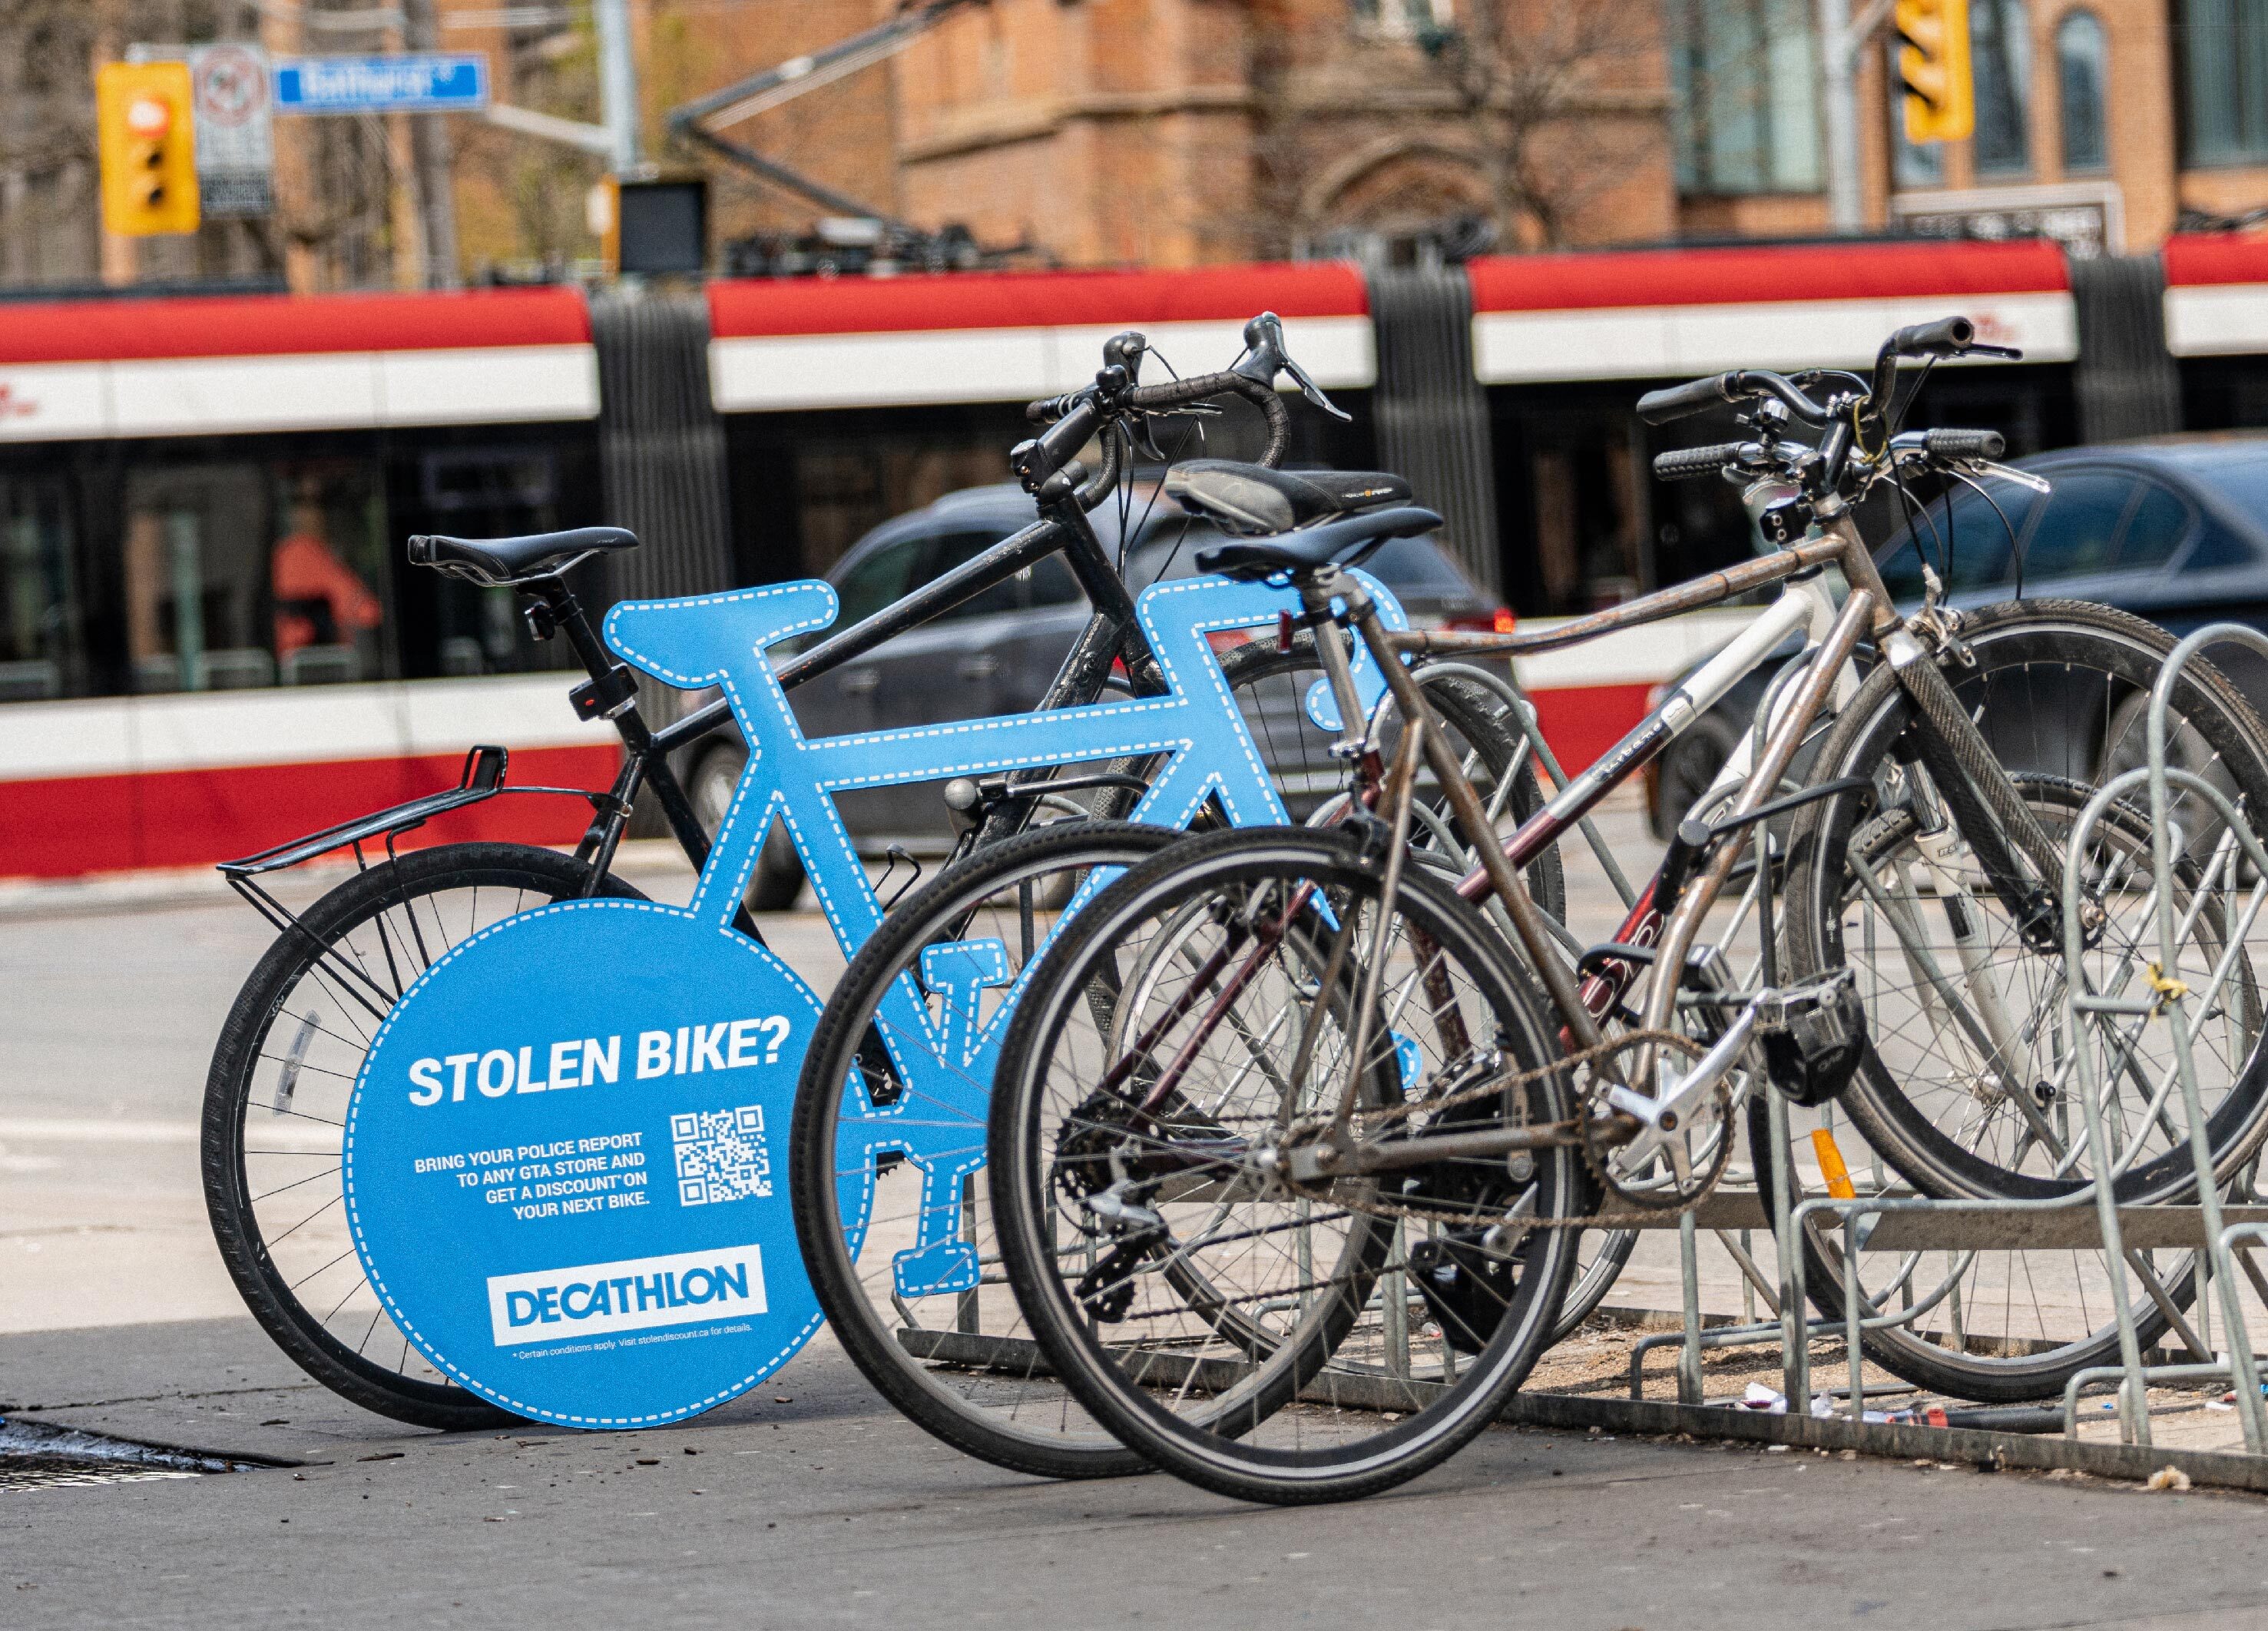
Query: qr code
(721, 1156)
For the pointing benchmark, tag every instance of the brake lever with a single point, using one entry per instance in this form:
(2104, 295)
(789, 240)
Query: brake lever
(2009, 473)
(1264, 341)
(1146, 441)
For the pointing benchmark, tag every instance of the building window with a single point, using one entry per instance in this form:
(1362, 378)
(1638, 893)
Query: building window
(1402, 20)
(1748, 111)
(2000, 60)
(2224, 54)
(2081, 72)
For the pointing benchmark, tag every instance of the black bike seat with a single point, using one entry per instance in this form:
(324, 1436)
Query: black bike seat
(1346, 543)
(502, 560)
(1254, 500)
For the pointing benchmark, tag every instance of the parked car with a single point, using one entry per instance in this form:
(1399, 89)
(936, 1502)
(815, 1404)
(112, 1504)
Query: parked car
(994, 654)
(2174, 529)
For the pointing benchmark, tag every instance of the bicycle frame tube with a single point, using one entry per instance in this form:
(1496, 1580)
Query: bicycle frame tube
(1699, 894)
(1696, 595)
(1066, 530)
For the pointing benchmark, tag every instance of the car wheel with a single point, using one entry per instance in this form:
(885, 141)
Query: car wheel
(1687, 768)
(779, 875)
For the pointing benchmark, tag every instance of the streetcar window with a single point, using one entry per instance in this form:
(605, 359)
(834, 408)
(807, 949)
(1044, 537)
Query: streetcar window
(242, 575)
(41, 653)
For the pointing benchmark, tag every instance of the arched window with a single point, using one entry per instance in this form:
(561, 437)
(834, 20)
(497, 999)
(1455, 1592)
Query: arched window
(2223, 48)
(2081, 71)
(2000, 60)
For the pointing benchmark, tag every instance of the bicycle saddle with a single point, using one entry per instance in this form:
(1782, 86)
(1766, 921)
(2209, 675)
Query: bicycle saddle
(1253, 499)
(494, 560)
(1345, 543)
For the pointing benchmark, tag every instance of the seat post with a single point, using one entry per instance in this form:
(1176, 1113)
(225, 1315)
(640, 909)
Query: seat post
(567, 614)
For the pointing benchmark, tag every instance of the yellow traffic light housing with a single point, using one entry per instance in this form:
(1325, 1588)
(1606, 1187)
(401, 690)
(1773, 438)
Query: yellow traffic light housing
(1940, 97)
(145, 114)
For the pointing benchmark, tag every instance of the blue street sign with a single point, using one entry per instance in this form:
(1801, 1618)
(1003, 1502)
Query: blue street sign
(457, 82)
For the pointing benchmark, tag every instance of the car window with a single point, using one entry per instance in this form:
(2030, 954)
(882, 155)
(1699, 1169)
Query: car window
(1049, 583)
(1978, 539)
(950, 549)
(1419, 566)
(881, 578)
(2218, 547)
(2161, 521)
(2077, 529)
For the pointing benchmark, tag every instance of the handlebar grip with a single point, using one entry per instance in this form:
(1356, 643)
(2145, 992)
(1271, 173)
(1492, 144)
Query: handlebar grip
(1684, 464)
(1199, 388)
(1683, 402)
(1965, 444)
(1947, 337)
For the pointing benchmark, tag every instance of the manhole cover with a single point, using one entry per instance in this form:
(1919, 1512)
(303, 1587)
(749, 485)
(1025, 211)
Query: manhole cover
(36, 1456)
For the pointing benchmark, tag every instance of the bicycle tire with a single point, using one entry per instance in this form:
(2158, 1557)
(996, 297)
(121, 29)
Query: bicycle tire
(391, 893)
(1217, 1446)
(1271, 685)
(2079, 663)
(974, 1417)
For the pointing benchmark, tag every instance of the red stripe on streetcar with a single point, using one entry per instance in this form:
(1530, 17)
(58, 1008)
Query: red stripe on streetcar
(1738, 275)
(1583, 721)
(755, 306)
(68, 331)
(64, 826)
(2195, 259)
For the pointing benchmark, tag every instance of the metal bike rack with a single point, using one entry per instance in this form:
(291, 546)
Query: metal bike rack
(2089, 1218)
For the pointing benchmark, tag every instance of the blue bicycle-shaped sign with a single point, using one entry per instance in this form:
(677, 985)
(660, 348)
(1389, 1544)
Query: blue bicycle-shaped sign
(563, 1160)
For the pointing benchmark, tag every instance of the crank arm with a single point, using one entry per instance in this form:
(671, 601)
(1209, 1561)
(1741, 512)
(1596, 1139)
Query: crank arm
(1661, 1117)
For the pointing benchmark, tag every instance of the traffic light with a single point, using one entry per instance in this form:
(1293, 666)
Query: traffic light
(1940, 98)
(146, 118)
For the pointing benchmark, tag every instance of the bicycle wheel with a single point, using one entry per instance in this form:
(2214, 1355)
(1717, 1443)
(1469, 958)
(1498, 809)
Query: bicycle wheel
(1966, 1087)
(1272, 1342)
(985, 1405)
(1271, 688)
(1992, 1323)
(953, 1355)
(276, 1100)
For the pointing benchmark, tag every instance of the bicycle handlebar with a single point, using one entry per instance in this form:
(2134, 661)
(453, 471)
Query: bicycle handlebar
(1083, 412)
(1685, 464)
(1947, 337)
(1963, 444)
(1683, 402)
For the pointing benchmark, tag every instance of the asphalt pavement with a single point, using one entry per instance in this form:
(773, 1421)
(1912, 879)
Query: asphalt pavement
(808, 1502)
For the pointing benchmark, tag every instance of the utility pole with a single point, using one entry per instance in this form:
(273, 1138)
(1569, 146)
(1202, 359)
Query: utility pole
(429, 160)
(1839, 46)
(618, 92)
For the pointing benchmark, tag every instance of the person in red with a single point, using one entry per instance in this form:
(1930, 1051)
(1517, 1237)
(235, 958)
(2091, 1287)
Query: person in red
(320, 600)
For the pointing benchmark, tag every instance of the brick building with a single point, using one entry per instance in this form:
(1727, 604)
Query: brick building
(1181, 132)
(1172, 132)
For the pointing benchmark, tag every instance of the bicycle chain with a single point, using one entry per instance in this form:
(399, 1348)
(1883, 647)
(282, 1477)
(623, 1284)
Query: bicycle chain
(1391, 1114)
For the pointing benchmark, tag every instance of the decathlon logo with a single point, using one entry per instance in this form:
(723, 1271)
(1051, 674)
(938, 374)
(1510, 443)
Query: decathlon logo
(636, 1294)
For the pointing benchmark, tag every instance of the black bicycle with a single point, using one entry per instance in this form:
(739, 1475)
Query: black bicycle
(293, 1043)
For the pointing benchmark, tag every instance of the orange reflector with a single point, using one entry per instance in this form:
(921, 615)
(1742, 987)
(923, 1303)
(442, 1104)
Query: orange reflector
(1831, 1166)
